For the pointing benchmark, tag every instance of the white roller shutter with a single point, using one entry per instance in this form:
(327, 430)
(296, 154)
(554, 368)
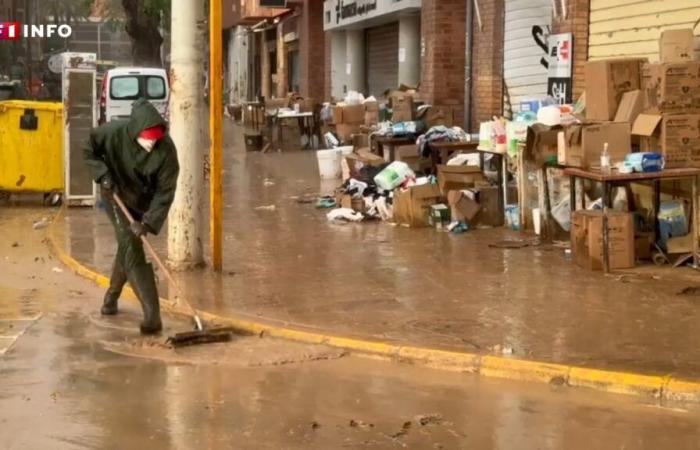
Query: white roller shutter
(632, 27)
(382, 45)
(527, 24)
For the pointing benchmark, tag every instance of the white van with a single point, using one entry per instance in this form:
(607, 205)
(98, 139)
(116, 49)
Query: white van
(123, 85)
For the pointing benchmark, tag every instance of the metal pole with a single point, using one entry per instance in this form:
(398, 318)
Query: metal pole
(185, 225)
(215, 119)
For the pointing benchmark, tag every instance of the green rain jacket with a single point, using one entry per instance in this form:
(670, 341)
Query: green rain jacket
(145, 181)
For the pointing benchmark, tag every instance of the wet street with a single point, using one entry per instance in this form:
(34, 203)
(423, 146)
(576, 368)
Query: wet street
(73, 380)
(283, 262)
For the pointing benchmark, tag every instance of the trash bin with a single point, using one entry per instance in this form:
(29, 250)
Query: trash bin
(31, 146)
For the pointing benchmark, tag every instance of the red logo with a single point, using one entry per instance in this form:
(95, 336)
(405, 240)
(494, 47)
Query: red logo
(9, 31)
(564, 50)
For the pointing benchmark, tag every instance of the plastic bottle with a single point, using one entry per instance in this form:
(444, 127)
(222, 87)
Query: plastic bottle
(605, 159)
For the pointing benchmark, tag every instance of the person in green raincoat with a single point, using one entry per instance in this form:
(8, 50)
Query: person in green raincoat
(136, 159)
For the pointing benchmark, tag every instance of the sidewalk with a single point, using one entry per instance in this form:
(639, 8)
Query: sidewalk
(416, 286)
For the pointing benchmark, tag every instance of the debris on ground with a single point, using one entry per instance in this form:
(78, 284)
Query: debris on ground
(15, 244)
(315, 425)
(39, 224)
(502, 349)
(268, 182)
(325, 202)
(690, 291)
(344, 214)
(428, 419)
(510, 244)
(360, 424)
(404, 430)
(57, 270)
(265, 208)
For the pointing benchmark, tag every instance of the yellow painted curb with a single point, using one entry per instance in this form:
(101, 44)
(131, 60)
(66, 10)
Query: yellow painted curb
(656, 387)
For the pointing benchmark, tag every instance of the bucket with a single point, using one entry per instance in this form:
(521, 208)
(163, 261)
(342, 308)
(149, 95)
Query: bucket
(329, 163)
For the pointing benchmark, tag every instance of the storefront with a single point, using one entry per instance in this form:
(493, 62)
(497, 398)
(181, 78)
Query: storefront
(375, 44)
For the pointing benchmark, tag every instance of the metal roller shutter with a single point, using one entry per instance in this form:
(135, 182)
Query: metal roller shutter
(527, 25)
(620, 28)
(382, 45)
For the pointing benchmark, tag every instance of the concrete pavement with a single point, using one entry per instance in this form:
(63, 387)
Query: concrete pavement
(75, 380)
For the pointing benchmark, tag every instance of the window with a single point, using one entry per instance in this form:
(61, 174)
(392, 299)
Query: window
(155, 88)
(124, 88)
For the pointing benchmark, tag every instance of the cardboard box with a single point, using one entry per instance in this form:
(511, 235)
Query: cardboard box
(587, 239)
(360, 140)
(437, 115)
(345, 131)
(631, 105)
(348, 201)
(492, 213)
(643, 242)
(607, 80)
(676, 45)
(463, 207)
(360, 158)
(336, 114)
(541, 144)
(354, 114)
(412, 206)
(672, 87)
(676, 136)
(452, 178)
(581, 145)
(402, 106)
(409, 154)
(371, 106)
(371, 118)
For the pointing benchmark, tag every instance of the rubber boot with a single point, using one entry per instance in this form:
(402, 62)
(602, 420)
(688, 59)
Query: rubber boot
(116, 283)
(143, 282)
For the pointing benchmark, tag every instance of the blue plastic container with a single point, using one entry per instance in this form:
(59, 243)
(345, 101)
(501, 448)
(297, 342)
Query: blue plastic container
(645, 162)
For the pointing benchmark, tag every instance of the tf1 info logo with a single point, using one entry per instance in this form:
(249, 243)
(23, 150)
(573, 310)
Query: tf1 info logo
(10, 31)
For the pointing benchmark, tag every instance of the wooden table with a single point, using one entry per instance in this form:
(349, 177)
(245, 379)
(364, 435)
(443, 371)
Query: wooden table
(390, 143)
(617, 179)
(306, 121)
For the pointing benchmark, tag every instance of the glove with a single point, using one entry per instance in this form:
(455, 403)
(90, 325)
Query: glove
(107, 185)
(139, 229)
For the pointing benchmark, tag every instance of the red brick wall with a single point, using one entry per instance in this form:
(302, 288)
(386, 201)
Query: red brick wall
(487, 62)
(312, 51)
(577, 23)
(444, 42)
(327, 67)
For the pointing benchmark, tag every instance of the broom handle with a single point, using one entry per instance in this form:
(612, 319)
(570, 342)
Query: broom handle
(148, 246)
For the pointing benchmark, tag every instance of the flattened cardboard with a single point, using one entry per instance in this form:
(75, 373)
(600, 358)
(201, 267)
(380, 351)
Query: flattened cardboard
(452, 178)
(337, 114)
(462, 207)
(631, 106)
(676, 45)
(587, 239)
(402, 106)
(608, 79)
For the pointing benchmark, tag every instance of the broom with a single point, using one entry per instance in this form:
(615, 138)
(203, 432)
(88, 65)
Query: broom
(199, 335)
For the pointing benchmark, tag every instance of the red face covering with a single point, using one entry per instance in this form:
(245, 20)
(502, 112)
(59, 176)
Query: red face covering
(147, 138)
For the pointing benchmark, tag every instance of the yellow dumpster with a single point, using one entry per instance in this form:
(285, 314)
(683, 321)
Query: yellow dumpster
(31, 146)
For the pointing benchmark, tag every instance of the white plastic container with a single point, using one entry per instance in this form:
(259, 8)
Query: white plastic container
(393, 176)
(329, 163)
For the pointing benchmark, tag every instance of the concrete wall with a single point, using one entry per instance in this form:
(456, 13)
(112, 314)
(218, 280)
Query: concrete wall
(238, 64)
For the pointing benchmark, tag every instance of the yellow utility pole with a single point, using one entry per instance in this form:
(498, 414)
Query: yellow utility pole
(215, 119)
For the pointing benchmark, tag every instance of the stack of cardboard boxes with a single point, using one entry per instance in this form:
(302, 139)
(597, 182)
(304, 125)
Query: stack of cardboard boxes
(671, 95)
(662, 102)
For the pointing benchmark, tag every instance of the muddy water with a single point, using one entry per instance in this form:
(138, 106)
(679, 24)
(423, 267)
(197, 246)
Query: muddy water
(75, 380)
(417, 285)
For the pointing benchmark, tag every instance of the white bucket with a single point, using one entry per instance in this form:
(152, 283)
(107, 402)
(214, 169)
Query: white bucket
(329, 163)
